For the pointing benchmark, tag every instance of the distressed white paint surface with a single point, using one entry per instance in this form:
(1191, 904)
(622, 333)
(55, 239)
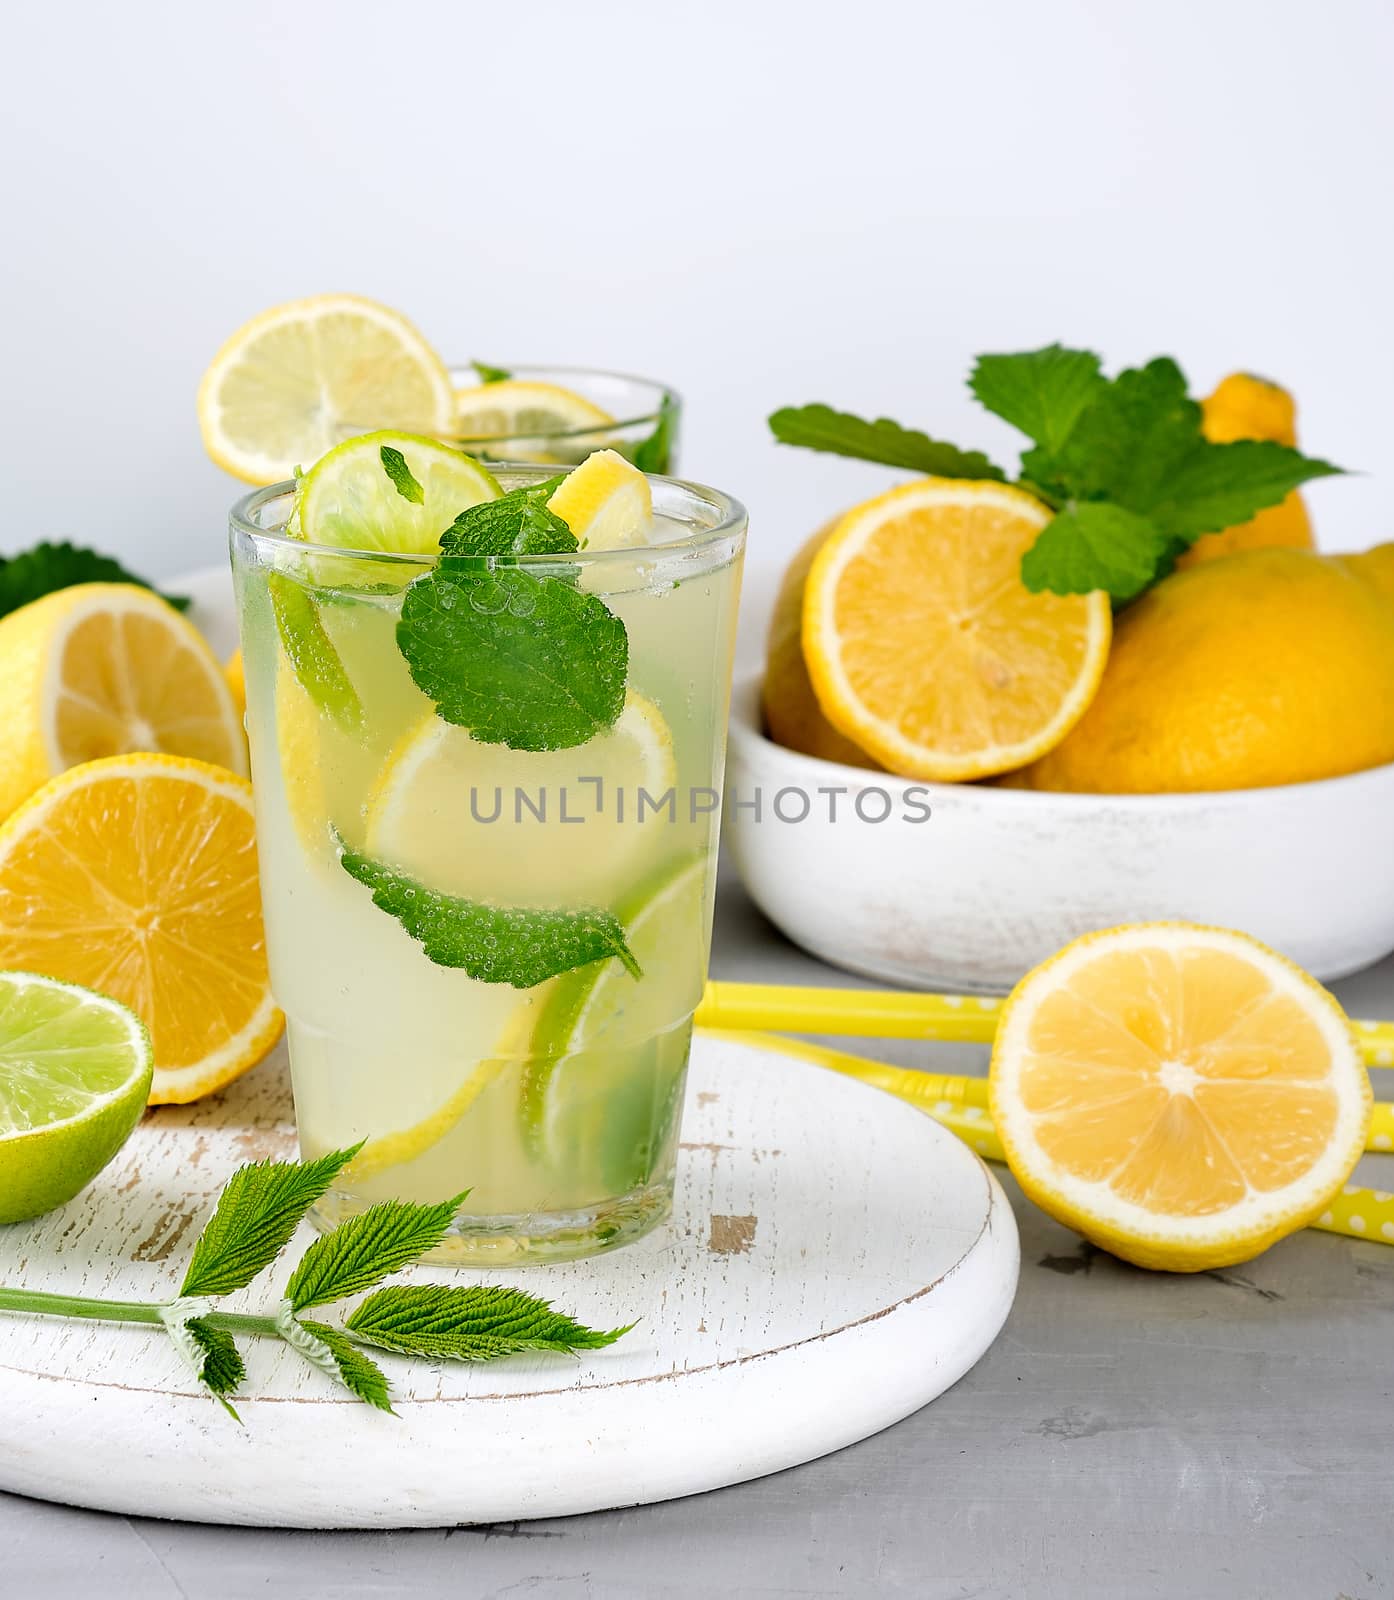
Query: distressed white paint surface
(835, 1261)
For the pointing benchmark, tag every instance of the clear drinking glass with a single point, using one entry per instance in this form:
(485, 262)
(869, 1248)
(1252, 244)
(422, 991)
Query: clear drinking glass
(635, 416)
(556, 1105)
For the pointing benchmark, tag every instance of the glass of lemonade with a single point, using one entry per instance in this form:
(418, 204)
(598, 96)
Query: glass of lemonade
(489, 955)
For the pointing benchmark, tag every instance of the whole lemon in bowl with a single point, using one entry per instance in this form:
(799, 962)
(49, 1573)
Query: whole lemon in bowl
(1265, 667)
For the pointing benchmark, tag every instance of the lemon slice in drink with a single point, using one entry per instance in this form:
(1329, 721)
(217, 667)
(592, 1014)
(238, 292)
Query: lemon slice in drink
(611, 1050)
(75, 1068)
(349, 499)
(533, 417)
(527, 827)
(291, 383)
(606, 502)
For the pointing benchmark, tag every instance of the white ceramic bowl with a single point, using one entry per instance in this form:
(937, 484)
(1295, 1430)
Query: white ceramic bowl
(995, 880)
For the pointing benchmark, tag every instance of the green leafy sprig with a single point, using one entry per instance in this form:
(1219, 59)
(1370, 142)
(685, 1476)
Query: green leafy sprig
(253, 1222)
(49, 567)
(1122, 462)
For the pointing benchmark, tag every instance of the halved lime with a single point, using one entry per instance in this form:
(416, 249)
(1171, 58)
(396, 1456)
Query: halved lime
(75, 1070)
(349, 499)
(610, 1051)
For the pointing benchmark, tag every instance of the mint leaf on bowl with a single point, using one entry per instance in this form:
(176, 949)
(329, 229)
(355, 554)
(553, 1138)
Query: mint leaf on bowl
(48, 567)
(819, 427)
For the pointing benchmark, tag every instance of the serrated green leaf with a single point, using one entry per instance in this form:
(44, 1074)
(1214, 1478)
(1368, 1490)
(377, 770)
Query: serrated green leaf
(655, 454)
(1042, 392)
(223, 1368)
(368, 1248)
(492, 944)
(1220, 485)
(358, 1373)
(519, 659)
(819, 427)
(519, 523)
(488, 374)
(254, 1219)
(469, 1323)
(311, 654)
(49, 567)
(394, 464)
(1095, 546)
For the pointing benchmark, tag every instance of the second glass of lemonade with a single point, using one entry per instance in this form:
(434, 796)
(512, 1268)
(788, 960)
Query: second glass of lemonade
(556, 1103)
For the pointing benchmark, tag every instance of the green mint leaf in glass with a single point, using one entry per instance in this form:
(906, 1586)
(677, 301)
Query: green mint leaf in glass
(49, 567)
(819, 427)
(519, 659)
(492, 944)
(655, 454)
(488, 374)
(469, 1323)
(311, 653)
(1096, 546)
(367, 1248)
(1219, 485)
(394, 464)
(517, 524)
(1042, 392)
(223, 1367)
(254, 1219)
(358, 1373)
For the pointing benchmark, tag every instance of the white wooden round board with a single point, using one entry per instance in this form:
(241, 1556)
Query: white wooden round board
(835, 1260)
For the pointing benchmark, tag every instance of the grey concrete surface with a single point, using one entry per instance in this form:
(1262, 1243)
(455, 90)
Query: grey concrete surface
(1129, 1435)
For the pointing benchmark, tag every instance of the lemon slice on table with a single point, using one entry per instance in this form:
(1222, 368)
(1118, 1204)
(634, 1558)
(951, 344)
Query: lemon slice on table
(1182, 1096)
(293, 382)
(74, 1074)
(464, 816)
(612, 1049)
(606, 502)
(103, 669)
(527, 414)
(136, 876)
(924, 646)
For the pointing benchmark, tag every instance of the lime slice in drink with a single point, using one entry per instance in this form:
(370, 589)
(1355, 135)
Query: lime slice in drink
(350, 499)
(610, 1052)
(75, 1070)
(606, 502)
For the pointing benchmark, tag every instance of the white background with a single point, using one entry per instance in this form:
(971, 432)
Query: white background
(762, 204)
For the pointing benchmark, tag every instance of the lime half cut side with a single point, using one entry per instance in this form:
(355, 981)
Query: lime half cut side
(75, 1071)
(609, 1052)
(349, 500)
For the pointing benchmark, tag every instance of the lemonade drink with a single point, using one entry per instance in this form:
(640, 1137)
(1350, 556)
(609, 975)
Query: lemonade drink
(555, 1100)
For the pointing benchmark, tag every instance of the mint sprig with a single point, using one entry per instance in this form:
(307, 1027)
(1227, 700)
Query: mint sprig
(1123, 462)
(488, 374)
(519, 523)
(394, 464)
(257, 1213)
(655, 453)
(48, 567)
(521, 946)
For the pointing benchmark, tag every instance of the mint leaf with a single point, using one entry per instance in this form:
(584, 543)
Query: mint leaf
(311, 653)
(492, 944)
(223, 1367)
(49, 567)
(488, 374)
(1095, 546)
(358, 1373)
(819, 427)
(1042, 392)
(518, 659)
(368, 1248)
(469, 1323)
(519, 523)
(254, 1219)
(655, 454)
(1219, 485)
(394, 464)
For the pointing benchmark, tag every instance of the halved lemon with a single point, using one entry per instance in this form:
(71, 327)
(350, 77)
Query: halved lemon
(136, 876)
(527, 827)
(533, 417)
(1182, 1096)
(293, 382)
(927, 650)
(103, 669)
(606, 502)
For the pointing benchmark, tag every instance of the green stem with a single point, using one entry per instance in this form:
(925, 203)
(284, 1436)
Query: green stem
(94, 1310)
